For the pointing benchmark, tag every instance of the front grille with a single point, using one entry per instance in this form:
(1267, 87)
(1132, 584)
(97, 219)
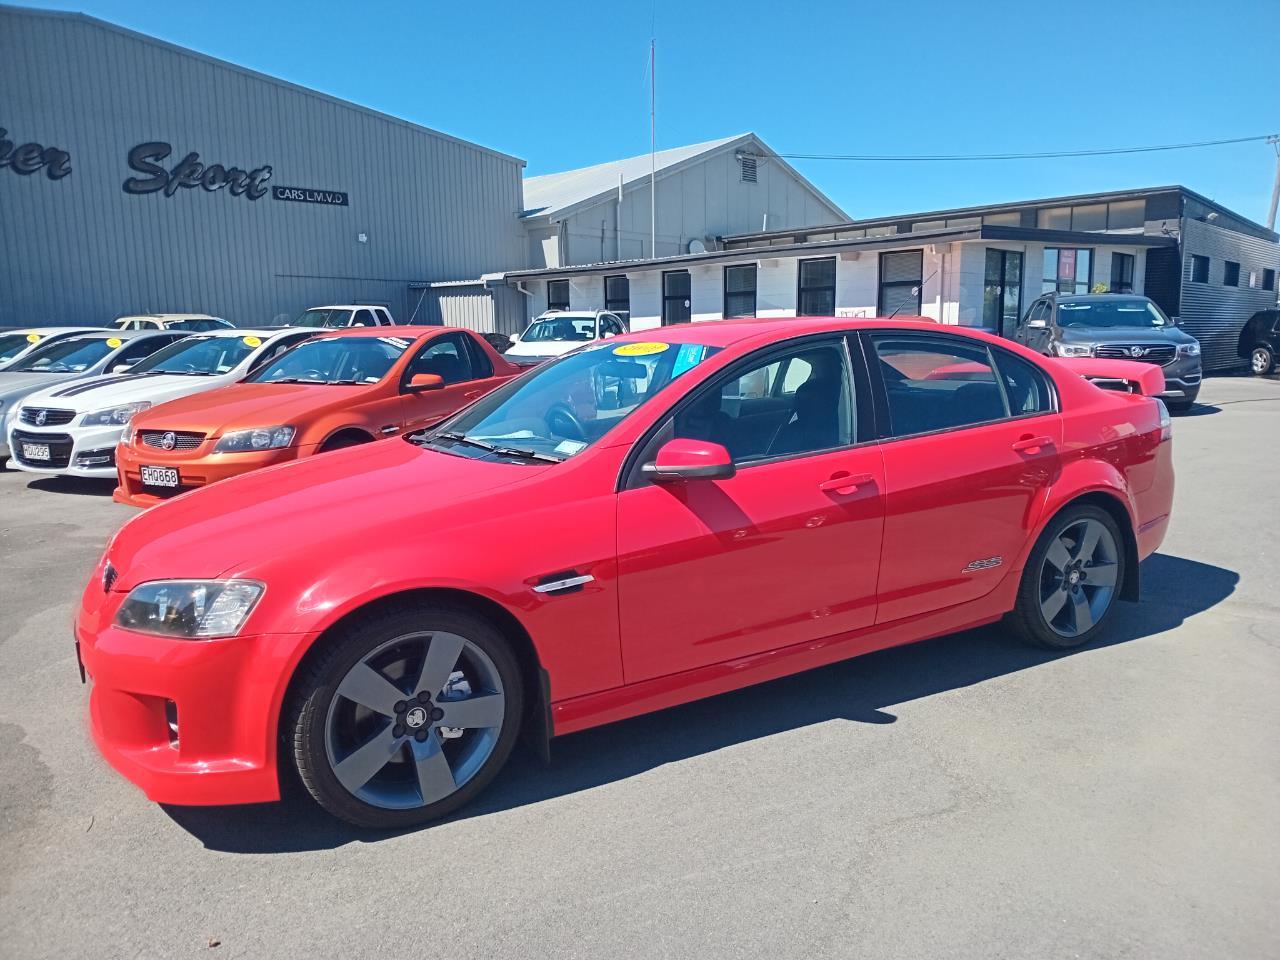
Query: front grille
(1161, 353)
(182, 440)
(51, 417)
(105, 457)
(59, 448)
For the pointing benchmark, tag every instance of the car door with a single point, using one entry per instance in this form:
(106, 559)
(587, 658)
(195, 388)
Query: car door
(1037, 338)
(448, 357)
(971, 441)
(784, 552)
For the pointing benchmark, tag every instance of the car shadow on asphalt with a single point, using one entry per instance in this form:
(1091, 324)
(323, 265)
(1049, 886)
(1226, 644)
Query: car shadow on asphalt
(860, 690)
(75, 486)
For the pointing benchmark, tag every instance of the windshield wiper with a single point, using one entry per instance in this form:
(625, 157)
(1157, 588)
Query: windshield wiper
(495, 448)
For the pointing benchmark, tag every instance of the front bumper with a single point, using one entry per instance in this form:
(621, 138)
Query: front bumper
(1185, 388)
(77, 451)
(195, 470)
(188, 721)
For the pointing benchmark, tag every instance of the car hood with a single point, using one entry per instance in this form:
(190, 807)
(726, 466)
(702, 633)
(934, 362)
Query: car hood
(15, 386)
(1124, 335)
(241, 406)
(293, 512)
(99, 393)
(544, 348)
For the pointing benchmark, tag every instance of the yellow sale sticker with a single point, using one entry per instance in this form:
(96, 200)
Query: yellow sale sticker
(640, 349)
(33, 338)
(252, 342)
(114, 342)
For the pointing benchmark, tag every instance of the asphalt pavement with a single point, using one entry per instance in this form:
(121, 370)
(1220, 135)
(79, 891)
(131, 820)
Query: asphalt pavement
(964, 797)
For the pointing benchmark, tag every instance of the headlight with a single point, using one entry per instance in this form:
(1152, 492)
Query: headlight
(1188, 349)
(1074, 349)
(189, 609)
(264, 438)
(115, 416)
(126, 437)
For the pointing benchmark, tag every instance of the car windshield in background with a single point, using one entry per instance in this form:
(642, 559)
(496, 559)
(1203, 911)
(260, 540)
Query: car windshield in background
(66, 356)
(200, 356)
(335, 360)
(12, 344)
(560, 409)
(1119, 312)
(322, 318)
(560, 329)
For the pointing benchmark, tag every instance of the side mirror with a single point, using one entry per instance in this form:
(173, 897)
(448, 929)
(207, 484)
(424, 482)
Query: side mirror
(690, 460)
(515, 338)
(1036, 324)
(420, 382)
(121, 367)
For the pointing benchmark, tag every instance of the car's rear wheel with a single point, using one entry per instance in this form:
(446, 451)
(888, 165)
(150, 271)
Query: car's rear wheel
(1261, 360)
(1071, 580)
(406, 716)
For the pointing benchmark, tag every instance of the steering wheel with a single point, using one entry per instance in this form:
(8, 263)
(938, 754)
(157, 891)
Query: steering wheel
(564, 422)
(313, 375)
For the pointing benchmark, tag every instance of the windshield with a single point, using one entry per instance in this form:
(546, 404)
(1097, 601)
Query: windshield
(560, 329)
(344, 360)
(322, 318)
(67, 356)
(1120, 312)
(12, 344)
(559, 409)
(200, 356)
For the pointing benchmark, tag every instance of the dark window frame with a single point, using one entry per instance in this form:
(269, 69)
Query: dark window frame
(668, 298)
(1199, 268)
(802, 288)
(611, 303)
(1230, 273)
(753, 292)
(1088, 283)
(1118, 282)
(554, 304)
(882, 288)
(1268, 278)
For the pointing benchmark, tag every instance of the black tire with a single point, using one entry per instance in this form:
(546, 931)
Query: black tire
(1027, 619)
(316, 688)
(1179, 406)
(342, 441)
(1262, 360)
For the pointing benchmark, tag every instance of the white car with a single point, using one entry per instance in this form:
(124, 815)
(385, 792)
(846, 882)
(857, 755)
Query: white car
(556, 332)
(87, 355)
(345, 315)
(191, 322)
(73, 429)
(16, 344)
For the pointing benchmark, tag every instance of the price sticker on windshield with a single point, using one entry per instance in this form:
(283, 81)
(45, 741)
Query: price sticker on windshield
(33, 338)
(114, 342)
(640, 349)
(252, 341)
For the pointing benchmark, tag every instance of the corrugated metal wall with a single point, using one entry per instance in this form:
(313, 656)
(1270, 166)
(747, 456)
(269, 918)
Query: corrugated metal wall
(1213, 313)
(81, 250)
(499, 309)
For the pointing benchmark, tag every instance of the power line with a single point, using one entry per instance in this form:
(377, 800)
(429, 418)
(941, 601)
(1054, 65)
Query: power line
(1027, 156)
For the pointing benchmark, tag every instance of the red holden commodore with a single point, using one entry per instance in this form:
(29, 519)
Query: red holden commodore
(649, 520)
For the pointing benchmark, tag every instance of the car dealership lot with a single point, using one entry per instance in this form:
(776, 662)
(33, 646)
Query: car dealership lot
(964, 797)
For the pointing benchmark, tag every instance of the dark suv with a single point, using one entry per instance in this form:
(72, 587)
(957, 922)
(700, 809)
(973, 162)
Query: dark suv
(1260, 341)
(1117, 327)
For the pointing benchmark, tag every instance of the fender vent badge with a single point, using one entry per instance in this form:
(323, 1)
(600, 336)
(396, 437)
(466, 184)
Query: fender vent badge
(986, 564)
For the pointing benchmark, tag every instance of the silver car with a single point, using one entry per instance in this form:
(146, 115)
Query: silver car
(1117, 327)
(90, 356)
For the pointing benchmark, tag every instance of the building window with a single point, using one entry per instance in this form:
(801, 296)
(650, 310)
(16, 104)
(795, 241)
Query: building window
(900, 282)
(1122, 273)
(1199, 269)
(557, 294)
(1230, 273)
(740, 290)
(1013, 219)
(676, 291)
(1054, 218)
(1089, 218)
(817, 295)
(748, 165)
(1268, 279)
(1126, 214)
(1067, 270)
(617, 296)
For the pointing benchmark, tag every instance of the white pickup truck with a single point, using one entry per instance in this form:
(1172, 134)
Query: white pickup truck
(344, 315)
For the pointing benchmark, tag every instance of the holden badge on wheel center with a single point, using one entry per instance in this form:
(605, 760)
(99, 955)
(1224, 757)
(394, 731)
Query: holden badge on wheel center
(415, 718)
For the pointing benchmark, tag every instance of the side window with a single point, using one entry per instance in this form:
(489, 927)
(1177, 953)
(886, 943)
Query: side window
(481, 367)
(1037, 311)
(755, 416)
(1026, 388)
(273, 351)
(936, 383)
(363, 318)
(142, 348)
(446, 356)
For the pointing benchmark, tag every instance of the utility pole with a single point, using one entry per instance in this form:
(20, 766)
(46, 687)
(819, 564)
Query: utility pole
(653, 150)
(1274, 140)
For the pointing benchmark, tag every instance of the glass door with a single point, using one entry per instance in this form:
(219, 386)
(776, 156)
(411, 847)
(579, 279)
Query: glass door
(1002, 291)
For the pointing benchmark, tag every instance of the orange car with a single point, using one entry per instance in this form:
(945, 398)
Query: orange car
(333, 391)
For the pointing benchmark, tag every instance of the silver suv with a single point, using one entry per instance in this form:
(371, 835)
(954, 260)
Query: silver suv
(1117, 327)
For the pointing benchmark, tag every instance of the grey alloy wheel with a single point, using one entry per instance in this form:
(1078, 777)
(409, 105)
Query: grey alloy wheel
(1078, 577)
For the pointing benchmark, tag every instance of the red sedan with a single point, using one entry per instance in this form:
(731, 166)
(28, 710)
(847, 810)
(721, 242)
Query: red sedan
(650, 520)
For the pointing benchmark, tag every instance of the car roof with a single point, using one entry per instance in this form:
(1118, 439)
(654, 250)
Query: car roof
(124, 334)
(394, 330)
(168, 316)
(350, 306)
(1099, 297)
(247, 331)
(548, 314)
(724, 333)
(52, 331)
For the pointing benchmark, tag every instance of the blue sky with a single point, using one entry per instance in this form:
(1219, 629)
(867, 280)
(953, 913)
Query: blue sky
(564, 84)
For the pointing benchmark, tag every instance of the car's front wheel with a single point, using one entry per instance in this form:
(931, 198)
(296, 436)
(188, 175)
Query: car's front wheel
(1071, 580)
(406, 716)
(1262, 360)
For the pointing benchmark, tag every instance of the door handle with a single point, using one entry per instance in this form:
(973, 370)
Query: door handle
(1032, 444)
(389, 428)
(472, 394)
(846, 483)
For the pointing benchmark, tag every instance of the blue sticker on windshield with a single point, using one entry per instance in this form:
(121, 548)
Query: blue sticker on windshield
(688, 356)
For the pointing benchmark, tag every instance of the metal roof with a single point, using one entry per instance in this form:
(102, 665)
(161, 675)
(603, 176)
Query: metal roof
(553, 194)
